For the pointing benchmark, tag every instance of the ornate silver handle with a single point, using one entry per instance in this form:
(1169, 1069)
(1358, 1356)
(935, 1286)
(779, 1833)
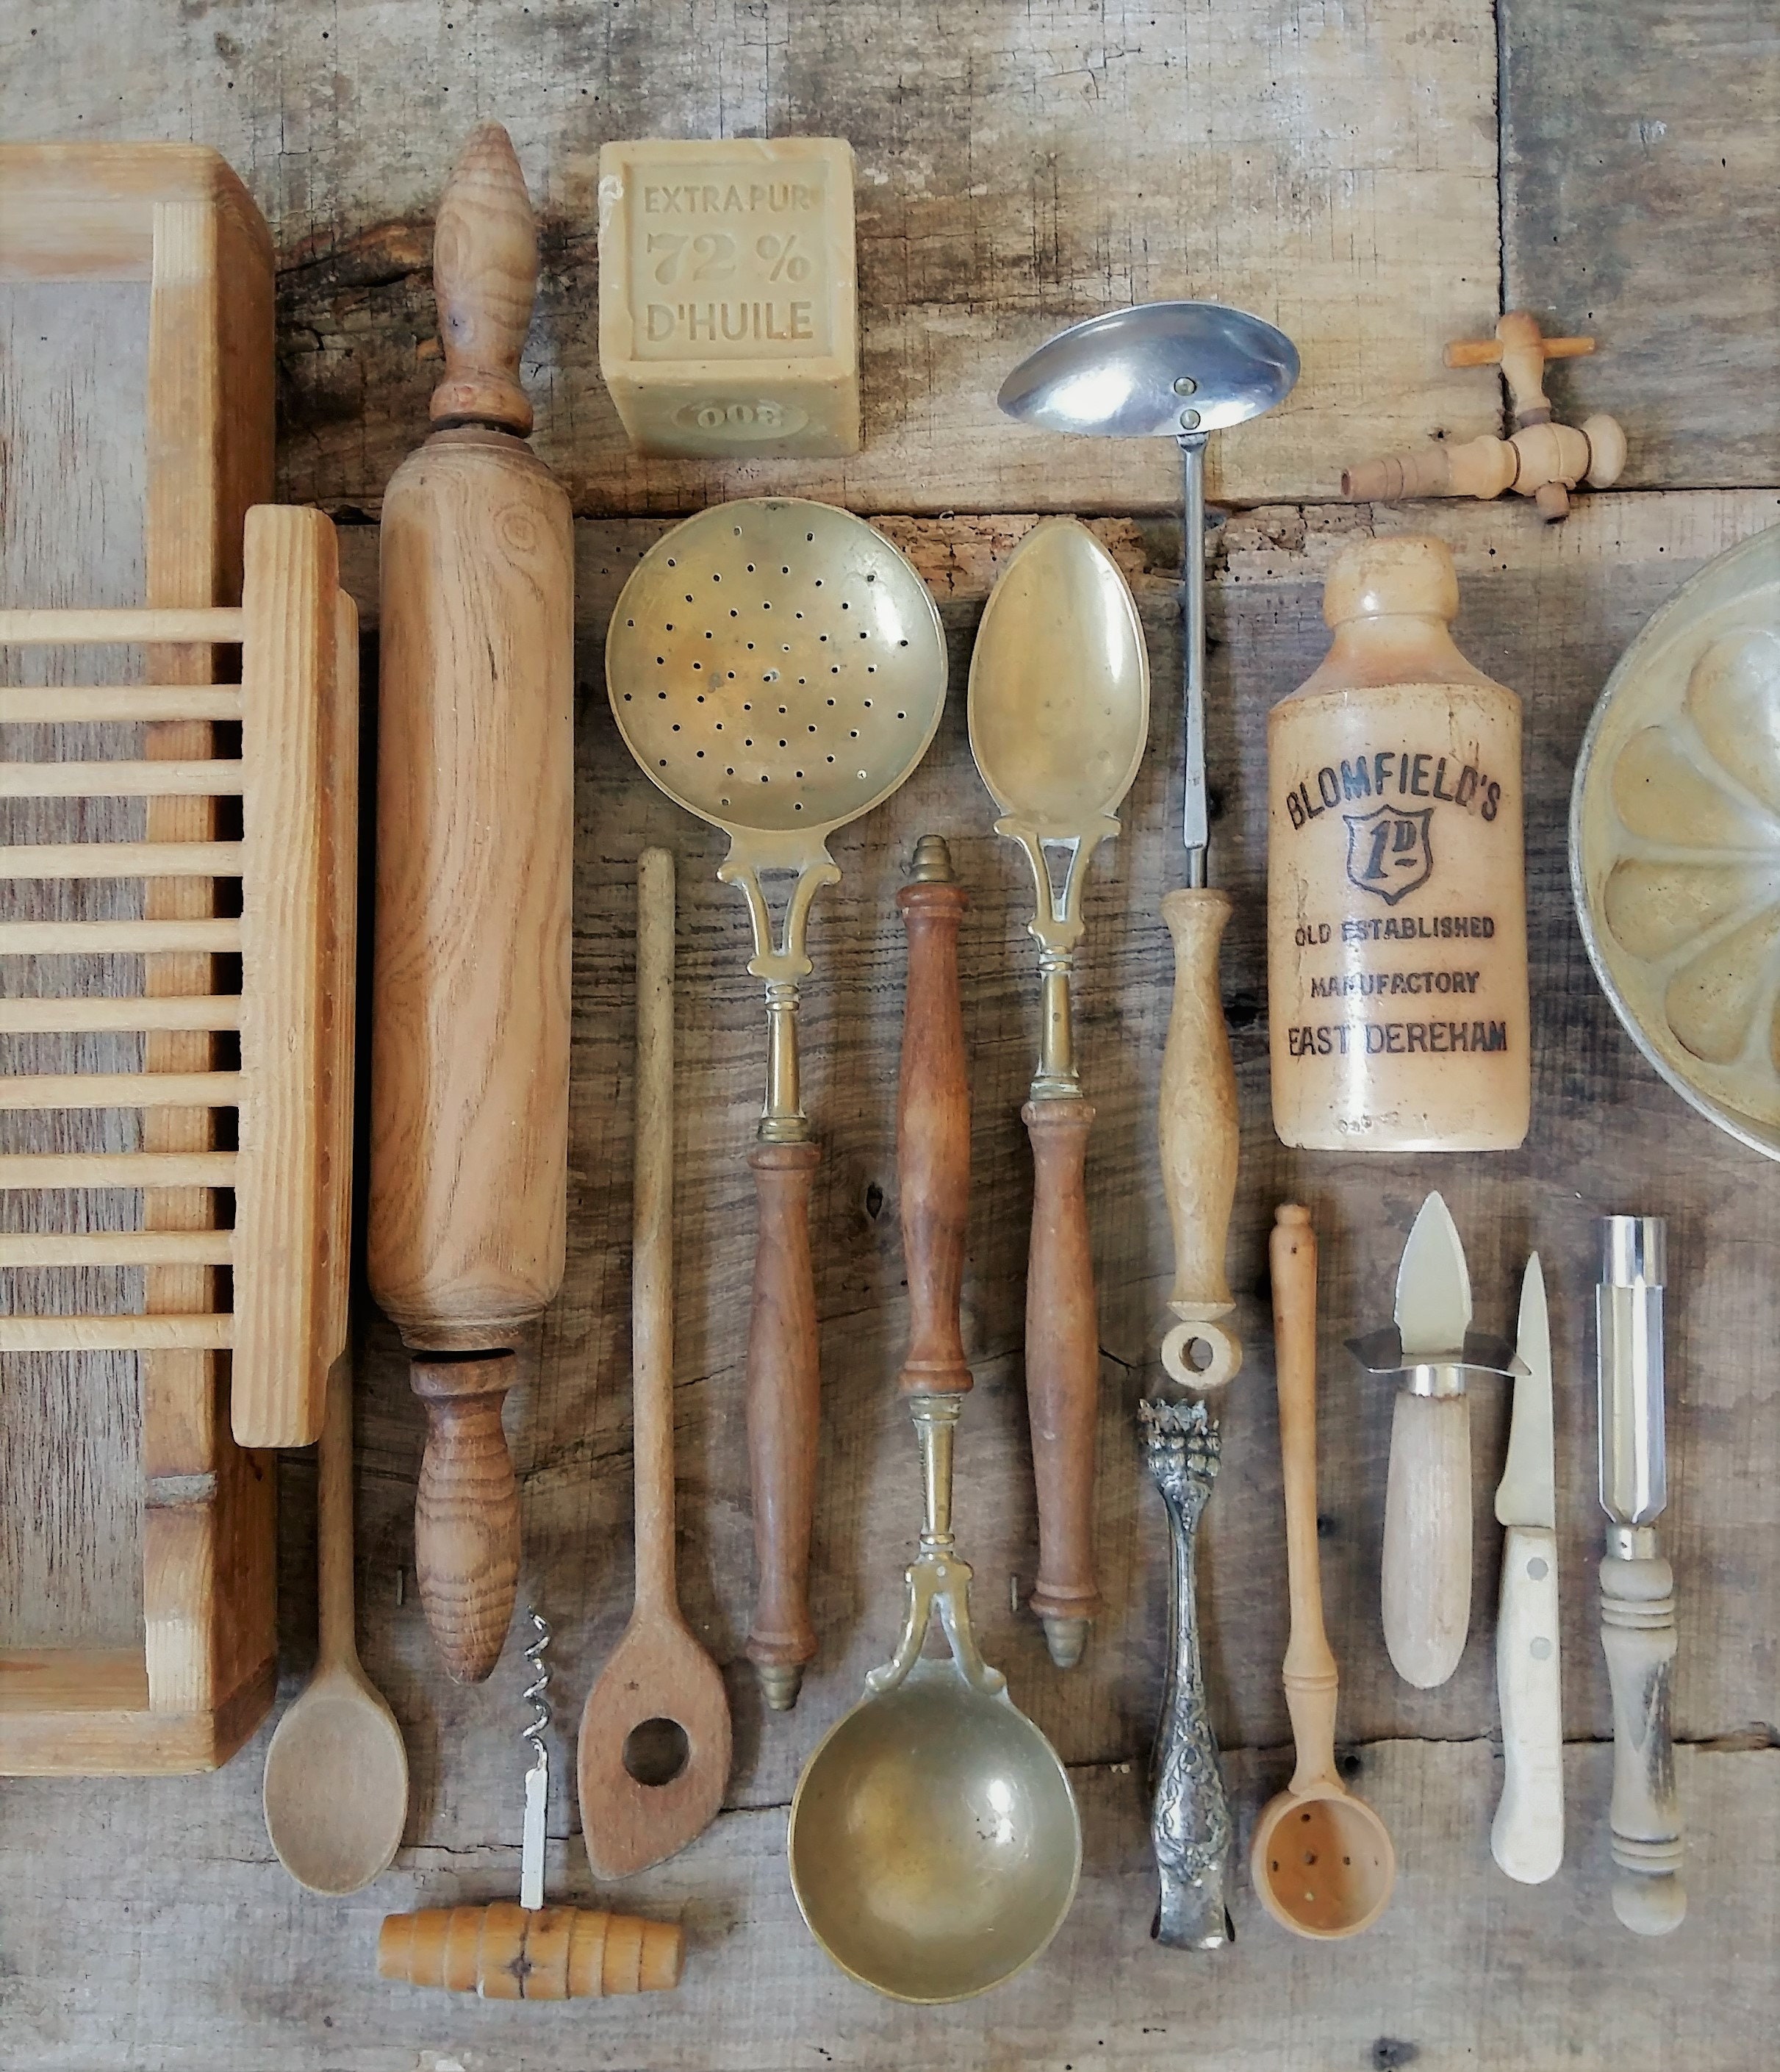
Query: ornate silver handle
(1189, 1825)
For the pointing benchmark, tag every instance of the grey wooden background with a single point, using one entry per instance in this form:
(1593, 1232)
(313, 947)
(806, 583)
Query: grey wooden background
(1354, 172)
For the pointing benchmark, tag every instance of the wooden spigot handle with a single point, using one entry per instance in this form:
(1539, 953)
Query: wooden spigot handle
(504, 1952)
(1425, 1581)
(783, 1404)
(933, 1130)
(485, 274)
(1312, 1684)
(467, 1511)
(1522, 352)
(1637, 1635)
(1201, 1141)
(1063, 1364)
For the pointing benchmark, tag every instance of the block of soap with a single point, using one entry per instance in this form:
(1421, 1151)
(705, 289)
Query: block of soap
(729, 319)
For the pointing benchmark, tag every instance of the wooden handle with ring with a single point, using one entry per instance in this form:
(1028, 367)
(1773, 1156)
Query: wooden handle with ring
(504, 1952)
(1425, 1580)
(467, 1541)
(1201, 1141)
(933, 1128)
(1637, 1635)
(1063, 1365)
(1312, 1682)
(783, 1402)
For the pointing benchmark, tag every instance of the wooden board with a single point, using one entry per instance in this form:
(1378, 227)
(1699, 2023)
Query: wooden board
(1018, 169)
(235, 1965)
(1640, 189)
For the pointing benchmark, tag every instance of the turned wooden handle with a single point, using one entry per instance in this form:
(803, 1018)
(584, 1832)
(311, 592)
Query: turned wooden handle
(1426, 1578)
(1312, 1685)
(1062, 1363)
(1637, 1635)
(467, 1511)
(783, 1406)
(1201, 1139)
(933, 1140)
(485, 274)
(504, 1952)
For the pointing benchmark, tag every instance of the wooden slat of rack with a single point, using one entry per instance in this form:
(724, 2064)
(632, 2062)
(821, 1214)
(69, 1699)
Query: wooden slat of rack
(117, 1335)
(58, 704)
(143, 1089)
(120, 780)
(79, 1015)
(73, 939)
(117, 1169)
(87, 1248)
(194, 859)
(218, 627)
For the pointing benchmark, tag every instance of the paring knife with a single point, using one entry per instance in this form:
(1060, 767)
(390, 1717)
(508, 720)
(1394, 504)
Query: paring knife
(1426, 1580)
(1638, 1630)
(1528, 1837)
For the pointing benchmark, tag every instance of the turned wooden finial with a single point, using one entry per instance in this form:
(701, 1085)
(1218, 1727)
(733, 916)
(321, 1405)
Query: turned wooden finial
(485, 276)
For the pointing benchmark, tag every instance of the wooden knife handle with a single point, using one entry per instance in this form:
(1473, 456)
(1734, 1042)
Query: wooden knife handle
(1637, 1635)
(1527, 1836)
(505, 1952)
(1062, 1363)
(1201, 1141)
(933, 1132)
(1426, 1580)
(467, 1511)
(782, 1406)
(485, 276)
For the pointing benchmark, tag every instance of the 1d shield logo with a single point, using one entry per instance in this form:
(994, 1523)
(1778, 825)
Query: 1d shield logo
(1389, 852)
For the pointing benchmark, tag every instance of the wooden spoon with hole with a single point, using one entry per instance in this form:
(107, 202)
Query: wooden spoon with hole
(336, 1773)
(654, 1755)
(1322, 1859)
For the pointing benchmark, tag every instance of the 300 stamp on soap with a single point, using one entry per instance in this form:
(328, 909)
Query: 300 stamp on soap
(728, 295)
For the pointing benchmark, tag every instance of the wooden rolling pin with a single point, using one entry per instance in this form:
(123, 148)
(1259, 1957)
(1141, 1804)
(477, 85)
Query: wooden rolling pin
(470, 1034)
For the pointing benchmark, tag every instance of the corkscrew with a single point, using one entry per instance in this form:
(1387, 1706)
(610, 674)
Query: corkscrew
(537, 1776)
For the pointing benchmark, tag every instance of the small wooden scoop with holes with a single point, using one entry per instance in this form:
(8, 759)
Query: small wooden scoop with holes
(633, 1812)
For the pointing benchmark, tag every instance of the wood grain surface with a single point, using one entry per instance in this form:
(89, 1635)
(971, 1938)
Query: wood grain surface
(1337, 171)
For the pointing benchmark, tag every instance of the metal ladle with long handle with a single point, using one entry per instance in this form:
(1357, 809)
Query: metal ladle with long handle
(934, 1844)
(1059, 715)
(1179, 370)
(777, 668)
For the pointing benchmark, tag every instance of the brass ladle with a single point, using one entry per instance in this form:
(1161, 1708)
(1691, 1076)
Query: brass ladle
(934, 1844)
(1322, 1860)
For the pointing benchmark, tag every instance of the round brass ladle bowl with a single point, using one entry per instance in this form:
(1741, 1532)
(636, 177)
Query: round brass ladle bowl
(934, 1844)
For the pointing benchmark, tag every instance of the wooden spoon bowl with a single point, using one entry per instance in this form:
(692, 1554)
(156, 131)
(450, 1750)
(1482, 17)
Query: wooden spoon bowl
(1322, 1862)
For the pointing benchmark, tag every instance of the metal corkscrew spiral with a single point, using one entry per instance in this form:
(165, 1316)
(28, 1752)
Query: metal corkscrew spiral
(537, 1778)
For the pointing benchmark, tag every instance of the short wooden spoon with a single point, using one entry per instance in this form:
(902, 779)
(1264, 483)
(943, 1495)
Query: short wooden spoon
(336, 1773)
(1321, 1860)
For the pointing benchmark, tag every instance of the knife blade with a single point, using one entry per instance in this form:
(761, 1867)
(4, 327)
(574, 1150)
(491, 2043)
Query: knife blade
(1527, 1838)
(1425, 1575)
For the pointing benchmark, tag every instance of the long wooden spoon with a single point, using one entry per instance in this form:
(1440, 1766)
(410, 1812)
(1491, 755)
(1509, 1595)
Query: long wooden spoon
(1321, 1860)
(336, 1773)
(655, 1733)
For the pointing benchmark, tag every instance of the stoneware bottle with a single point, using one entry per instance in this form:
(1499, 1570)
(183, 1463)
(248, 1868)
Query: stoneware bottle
(1396, 920)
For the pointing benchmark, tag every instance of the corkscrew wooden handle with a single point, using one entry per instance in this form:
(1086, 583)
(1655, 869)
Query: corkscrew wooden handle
(504, 1952)
(783, 1403)
(1637, 1635)
(933, 1130)
(1062, 1362)
(1201, 1141)
(485, 274)
(467, 1511)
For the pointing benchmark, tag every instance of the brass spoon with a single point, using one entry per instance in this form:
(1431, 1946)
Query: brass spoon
(1322, 1859)
(934, 1844)
(336, 1773)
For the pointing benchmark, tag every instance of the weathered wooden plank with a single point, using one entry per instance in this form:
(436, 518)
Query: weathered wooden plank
(1641, 191)
(228, 1965)
(1334, 170)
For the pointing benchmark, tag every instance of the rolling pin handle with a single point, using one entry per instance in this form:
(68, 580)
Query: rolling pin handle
(466, 1539)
